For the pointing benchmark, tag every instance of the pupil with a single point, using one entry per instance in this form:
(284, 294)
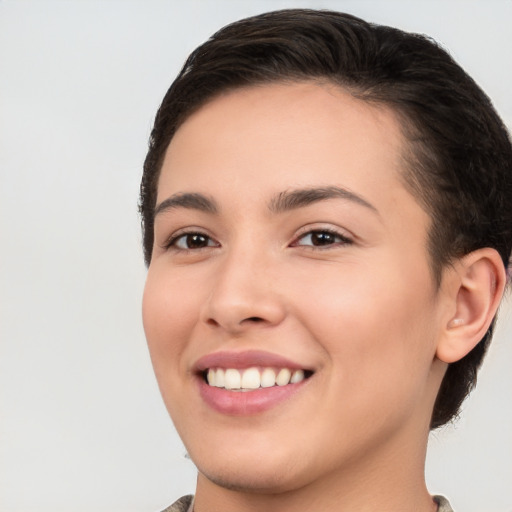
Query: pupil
(322, 238)
(195, 241)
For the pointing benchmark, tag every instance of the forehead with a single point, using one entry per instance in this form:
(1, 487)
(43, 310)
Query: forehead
(276, 136)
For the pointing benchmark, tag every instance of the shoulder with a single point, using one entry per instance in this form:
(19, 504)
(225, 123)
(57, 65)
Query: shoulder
(184, 504)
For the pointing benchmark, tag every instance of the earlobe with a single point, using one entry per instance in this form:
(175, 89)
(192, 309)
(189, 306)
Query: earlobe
(476, 291)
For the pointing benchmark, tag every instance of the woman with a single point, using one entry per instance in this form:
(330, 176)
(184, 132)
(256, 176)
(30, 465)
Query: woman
(327, 223)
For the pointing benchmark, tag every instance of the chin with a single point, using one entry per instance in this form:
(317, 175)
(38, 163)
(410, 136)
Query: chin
(263, 474)
(249, 480)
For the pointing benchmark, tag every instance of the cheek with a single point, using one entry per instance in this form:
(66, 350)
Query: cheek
(168, 312)
(382, 322)
(379, 345)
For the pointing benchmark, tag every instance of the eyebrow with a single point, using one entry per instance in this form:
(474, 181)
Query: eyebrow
(291, 199)
(187, 200)
(284, 201)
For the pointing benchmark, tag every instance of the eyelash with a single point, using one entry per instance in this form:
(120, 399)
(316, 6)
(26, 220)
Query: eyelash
(172, 243)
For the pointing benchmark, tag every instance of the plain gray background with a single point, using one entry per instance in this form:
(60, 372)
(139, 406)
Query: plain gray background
(82, 426)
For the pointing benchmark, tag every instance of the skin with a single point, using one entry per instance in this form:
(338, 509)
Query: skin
(362, 310)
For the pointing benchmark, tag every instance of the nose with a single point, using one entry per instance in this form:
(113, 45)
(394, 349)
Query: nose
(244, 295)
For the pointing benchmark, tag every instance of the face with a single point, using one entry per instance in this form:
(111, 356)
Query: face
(290, 311)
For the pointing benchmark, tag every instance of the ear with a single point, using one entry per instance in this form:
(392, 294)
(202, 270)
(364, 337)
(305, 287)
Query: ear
(476, 286)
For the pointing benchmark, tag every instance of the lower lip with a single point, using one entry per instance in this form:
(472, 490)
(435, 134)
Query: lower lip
(246, 403)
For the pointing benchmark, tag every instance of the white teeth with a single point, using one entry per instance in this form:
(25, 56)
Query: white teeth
(219, 378)
(233, 380)
(283, 377)
(298, 375)
(268, 378)
(252, 378)
(215, 377)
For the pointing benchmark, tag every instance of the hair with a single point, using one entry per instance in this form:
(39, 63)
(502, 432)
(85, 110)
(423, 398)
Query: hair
(457, 157)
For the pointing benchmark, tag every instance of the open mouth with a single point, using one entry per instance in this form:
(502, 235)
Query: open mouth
(251, 379)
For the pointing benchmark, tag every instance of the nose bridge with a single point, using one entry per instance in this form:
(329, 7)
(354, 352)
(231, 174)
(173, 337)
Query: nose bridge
(243, 293)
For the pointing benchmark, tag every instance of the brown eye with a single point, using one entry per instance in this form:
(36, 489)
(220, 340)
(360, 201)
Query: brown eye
(322, 238)
(190, 241)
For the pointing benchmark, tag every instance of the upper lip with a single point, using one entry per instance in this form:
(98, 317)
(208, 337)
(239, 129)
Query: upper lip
(246, 359)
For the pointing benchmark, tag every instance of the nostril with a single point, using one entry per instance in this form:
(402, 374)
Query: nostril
(254, 319)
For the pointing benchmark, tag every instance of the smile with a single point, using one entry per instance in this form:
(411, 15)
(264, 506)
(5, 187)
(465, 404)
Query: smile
(249, 382)
(253, 378)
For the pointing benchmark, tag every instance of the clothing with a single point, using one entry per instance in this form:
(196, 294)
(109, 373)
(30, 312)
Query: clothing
(444, 506)
(186, 504)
